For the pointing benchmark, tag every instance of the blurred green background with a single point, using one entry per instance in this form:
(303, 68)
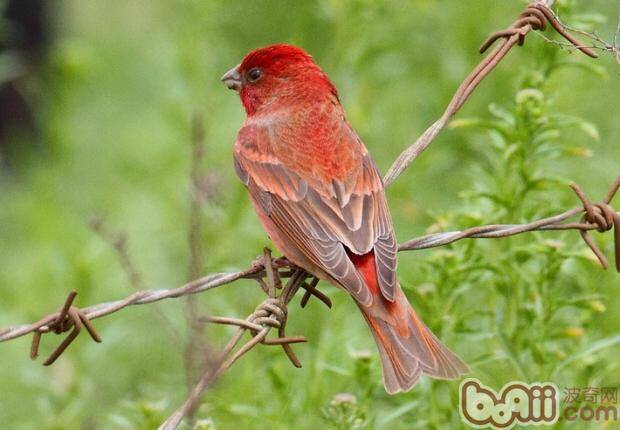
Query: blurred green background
(112, 93)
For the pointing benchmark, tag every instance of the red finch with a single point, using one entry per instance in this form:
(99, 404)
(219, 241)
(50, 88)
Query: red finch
(321, 199)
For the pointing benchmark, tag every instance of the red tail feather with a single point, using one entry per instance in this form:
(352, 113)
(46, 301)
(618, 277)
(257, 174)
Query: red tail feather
(407, 347)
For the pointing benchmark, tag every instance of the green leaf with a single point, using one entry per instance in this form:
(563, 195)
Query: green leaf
(502, 113)
(590, 129)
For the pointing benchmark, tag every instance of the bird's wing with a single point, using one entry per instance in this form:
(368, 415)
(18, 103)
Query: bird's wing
(330, 220)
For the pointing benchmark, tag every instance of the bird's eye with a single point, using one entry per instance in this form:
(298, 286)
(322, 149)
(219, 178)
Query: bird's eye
(255, 74)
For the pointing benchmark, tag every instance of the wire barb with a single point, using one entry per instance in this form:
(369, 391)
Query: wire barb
(311, 290)
(531, 18)
(60, 322)
(604, 218)
(535, 17)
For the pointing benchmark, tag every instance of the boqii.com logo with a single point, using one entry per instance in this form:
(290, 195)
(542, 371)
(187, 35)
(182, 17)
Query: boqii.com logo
(516, 403)
(534, 404)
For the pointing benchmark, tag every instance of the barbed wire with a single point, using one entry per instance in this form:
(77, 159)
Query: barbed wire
(268, 272)
(143, 297)
(534, 17)
(598, 216)
(270, 314)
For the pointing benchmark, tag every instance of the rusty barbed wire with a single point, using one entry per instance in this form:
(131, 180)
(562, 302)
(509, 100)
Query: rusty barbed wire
(599, 216)
(64, 320)
(270, 314)
(67, 318)
(535, 17)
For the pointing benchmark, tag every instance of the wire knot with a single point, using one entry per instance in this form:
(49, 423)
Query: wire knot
(534, 17)
(67, 318)
(270, 313)
(600, 214)
(602, 217)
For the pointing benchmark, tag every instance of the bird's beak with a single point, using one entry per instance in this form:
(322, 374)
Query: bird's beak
(232, 79)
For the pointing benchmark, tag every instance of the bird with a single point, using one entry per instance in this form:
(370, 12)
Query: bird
(321, 199)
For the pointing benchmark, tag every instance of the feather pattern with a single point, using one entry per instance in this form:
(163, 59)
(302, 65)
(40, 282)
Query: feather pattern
(330, 212)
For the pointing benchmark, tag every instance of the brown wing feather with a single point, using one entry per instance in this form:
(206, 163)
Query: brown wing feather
(323, 218)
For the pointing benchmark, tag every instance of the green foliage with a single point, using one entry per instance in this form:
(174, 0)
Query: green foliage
(114, 101)
(343, 413)
(540, 314)
(139, 415)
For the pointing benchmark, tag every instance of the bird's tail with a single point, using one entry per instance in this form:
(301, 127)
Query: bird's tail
(407, 347)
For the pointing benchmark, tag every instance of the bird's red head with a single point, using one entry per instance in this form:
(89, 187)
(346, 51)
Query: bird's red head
(278, 73)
